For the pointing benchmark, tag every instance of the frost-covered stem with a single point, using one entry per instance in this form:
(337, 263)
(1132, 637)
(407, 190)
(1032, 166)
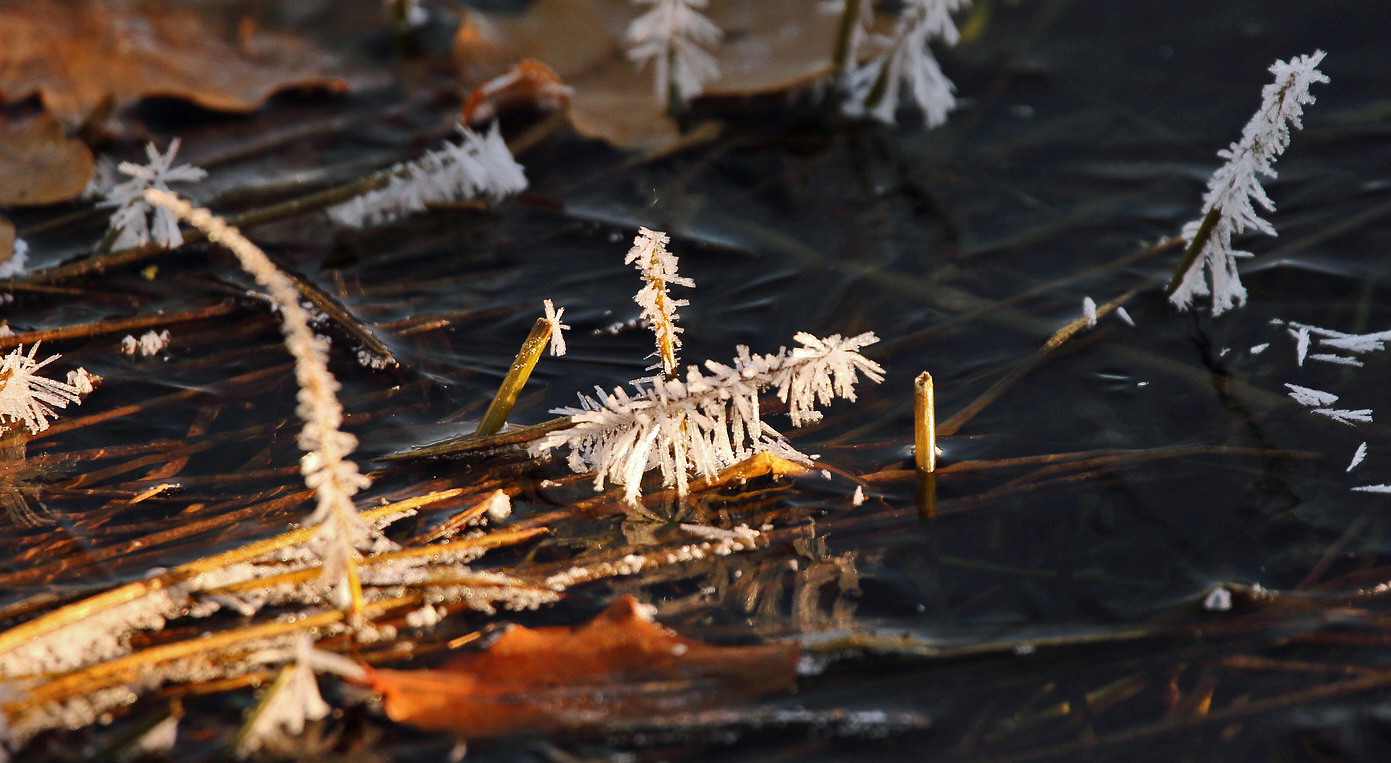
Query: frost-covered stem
(1195, 248)
(325, 466)
(663, 329)
(658, 267)
(1234, 190)
(847, 33)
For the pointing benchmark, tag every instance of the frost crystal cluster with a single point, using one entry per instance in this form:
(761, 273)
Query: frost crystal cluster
(658, 267)
(27, 397)
(709, 420)
(674, 35)
(905, 64)
(136, 221)
(478, 166)
(1227, 208)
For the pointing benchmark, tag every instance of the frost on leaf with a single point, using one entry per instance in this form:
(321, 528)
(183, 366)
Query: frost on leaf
(478, 166)
(27, 397)
(674, 36)
(906, 64)
(709, 420)
(1228, 208)
(134, 219)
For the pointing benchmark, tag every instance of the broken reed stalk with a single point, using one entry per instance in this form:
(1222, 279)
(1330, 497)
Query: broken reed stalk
(924, 424)
(925, 444)
(501, 406)
(325, 466)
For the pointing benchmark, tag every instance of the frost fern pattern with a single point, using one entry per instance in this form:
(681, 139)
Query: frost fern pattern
(1227, 208)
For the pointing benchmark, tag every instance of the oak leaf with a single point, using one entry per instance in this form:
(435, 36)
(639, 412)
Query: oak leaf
(78, 54)
(620, 665)
(41, 164)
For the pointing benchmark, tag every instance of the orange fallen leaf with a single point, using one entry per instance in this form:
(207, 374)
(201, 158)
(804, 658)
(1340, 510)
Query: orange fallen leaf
(529, 83)
(40, 164)
(76, 55)
(620, 665)
(768, 47)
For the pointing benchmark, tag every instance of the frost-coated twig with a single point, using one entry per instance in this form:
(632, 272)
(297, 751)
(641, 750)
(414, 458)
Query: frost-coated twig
(658, 267)
(478, 166)
(1209, 263)
(907, 63)
(325, 465)
(674, 35)
(707, 421)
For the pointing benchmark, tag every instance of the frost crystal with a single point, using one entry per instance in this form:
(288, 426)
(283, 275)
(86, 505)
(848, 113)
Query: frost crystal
(709, 420)
(479, 166)
(1357, 457)
(557, 328)
(1089, 311)
(1227, 207)
(14, 265)
(1363, 415)
(25, 396)
(907, 63)
(149, 343)
(1311, 397)
(293, 703)
(675, 35)
(136, 220)
(658, 267)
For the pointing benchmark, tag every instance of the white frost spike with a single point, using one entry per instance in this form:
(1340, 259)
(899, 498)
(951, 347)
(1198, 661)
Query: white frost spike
(1234, 186)
(658, 267)
(1301, 343)
(25, 396)
(136, 220)
(1358, 343)
(478, 166)
(674, 35)
(1358, 456)
(557, 328)
(907, 64)
(1342, 360)
(1089, 311)
(1363, 415)
(1311, 397)
(1373, 488)
(1124, 315)
(708, 420)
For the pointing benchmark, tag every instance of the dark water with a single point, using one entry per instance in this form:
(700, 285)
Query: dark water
(1087, 132)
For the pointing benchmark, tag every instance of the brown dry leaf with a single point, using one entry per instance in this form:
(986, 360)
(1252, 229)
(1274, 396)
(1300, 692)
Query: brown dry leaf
(7, 237)
(620, 665)
(768, 46)
(40, 163)
(76, 54)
